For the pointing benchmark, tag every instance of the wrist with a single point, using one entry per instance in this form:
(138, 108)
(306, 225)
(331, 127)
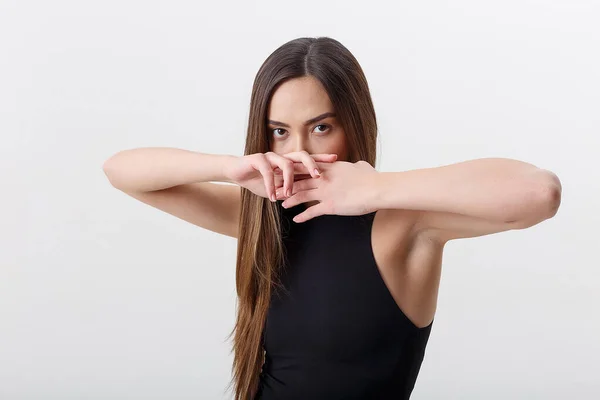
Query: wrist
(375, 191)
(225, 163)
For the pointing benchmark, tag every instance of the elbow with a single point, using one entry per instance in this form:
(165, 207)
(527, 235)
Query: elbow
(546, 202)
(551, 195)
(106, 168)
(109, 170)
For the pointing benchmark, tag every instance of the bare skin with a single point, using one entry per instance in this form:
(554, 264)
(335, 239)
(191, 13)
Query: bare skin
(409, 264)
(407, 241)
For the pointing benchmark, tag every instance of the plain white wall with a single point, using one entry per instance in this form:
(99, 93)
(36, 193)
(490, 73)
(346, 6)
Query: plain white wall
(104, 297)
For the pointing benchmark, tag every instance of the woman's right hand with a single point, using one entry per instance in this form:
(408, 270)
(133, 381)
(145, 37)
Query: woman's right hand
(255, 172)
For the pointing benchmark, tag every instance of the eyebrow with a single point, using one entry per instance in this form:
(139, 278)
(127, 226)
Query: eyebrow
(310, 121)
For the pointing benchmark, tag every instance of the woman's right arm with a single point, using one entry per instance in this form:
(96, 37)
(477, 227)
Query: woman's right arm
(178, 182)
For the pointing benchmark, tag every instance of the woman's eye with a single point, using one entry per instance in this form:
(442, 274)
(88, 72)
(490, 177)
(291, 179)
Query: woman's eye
(325, 127)
(320, 129)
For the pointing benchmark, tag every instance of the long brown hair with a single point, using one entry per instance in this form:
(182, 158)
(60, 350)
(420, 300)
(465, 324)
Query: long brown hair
(260, 252)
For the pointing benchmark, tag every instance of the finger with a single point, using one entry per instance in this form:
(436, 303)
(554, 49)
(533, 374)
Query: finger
(301, 168)
(301, 197)
(309, 160)
(323, 166)
(298, 168)
(311, 164)
(323, 157)
(279, 183)
(299, 186)
(310, 213)
(263, 166)
(278, 180)
(297, 177)
(298, 157)
(286, 166)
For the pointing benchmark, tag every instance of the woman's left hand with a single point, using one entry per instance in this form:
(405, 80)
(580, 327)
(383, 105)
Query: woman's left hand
(343, 188)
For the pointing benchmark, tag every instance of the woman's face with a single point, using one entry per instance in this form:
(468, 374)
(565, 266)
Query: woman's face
(301, 117)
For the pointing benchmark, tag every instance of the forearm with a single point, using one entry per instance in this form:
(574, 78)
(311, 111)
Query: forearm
(491, 188)
(156, 168)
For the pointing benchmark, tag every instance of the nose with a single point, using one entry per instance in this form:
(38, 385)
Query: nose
(300, 144)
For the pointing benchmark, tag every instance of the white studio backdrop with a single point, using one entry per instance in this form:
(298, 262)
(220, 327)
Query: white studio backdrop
(103, 297)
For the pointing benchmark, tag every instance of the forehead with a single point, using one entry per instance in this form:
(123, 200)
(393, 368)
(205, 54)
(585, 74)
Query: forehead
(299, 99)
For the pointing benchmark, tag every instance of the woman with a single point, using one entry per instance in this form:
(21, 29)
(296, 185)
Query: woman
(338, 265)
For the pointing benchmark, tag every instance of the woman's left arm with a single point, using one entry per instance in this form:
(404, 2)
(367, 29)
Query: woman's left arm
(470, 198)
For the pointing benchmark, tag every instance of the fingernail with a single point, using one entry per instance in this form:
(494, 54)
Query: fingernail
(273, 197)
(317, 172)
(288, 193)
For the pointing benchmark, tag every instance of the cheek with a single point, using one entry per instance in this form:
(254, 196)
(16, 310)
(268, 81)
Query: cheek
(280, 148)
(341, 148)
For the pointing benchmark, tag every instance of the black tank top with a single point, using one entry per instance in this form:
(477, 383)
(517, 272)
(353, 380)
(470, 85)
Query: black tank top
(336, 332)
